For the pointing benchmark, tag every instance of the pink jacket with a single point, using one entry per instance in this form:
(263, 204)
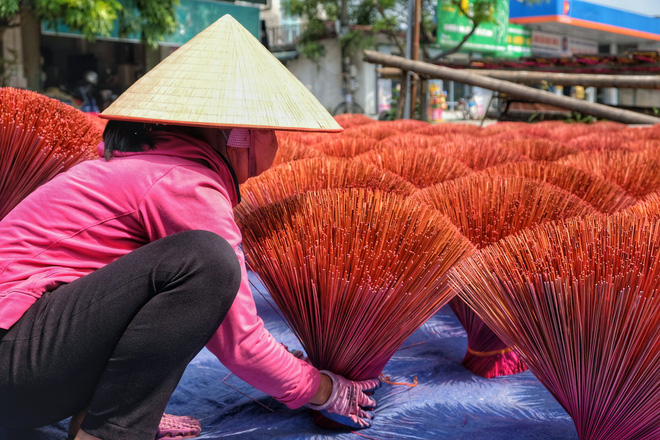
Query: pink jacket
(98, 211)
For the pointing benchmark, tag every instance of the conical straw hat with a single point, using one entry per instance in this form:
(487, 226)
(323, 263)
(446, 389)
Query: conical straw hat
(222, 77)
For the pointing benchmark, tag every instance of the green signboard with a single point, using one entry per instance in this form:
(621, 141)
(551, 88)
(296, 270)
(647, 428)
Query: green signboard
(518, 42)
(453, 25)
(193, 16)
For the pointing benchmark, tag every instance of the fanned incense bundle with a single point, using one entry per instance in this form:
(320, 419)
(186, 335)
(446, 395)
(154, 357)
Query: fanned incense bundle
(421, 167)
(647, 206)
(319, 173)
(563, 131)
(354, 272)
(480, 153)
(348, 120)
(486, 209)
(445, 129)
(290, 150)
(303, 137)
(405, 125)
(411, 140)
(539, 149)
(601, 141)
(637, 173)
(39, 138)
(580, 301)
(345, 146)
(501, 127)
(374, 131)
(642, 145)
(605, 196)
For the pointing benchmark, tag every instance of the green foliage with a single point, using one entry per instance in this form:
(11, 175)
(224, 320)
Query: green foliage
(149, 18)
(577, 117)
(310, 45)
(91, 17)
(9, 9)
(354, 42)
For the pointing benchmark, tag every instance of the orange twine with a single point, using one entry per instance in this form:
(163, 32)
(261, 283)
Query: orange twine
(388, 380)
(489, 353)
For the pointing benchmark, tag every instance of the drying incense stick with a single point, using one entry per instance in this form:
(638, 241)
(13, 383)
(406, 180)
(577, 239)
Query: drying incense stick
(601, 141)
(405, 125)
(348, 120)
(445, 129)
(374, 131)
(345, 146)
(422, 167)
(39, 138)
(354, 271)
(637, 173)
(647, 206)
(539, 149)
(479, 153)
(579, 300)
(487, 208)
(605, 196)
(305, 175)
(290, 149)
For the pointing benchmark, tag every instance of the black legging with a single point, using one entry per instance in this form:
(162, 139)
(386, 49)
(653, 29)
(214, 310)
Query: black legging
(118, 340)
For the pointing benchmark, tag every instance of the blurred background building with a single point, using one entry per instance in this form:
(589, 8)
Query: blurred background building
(587, 36)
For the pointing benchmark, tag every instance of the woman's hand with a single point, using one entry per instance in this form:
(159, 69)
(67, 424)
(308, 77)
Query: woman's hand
(346, 402)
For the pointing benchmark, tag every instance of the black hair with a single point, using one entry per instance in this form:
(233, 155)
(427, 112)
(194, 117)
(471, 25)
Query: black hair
(127, 136)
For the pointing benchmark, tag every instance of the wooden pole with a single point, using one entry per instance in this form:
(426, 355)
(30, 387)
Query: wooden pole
(560, 79)
(417, 12)
(510, 88)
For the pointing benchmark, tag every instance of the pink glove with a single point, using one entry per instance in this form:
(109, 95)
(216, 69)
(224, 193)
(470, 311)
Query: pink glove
(178, 427)
(348, 404)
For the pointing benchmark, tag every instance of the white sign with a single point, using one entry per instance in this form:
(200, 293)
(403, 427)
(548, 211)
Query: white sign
(548, 44)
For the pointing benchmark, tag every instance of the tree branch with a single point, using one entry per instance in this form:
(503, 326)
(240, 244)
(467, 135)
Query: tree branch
(388, 31)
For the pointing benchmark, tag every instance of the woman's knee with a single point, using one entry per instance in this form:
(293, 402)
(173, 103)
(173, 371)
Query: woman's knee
(213, 260)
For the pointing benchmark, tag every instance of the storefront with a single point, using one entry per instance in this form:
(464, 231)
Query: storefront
(118, 62)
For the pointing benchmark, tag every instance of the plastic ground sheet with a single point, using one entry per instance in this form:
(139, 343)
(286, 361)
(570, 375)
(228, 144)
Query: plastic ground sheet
(448, 403)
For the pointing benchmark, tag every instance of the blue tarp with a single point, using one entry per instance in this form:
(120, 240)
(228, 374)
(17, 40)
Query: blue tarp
(449, 403)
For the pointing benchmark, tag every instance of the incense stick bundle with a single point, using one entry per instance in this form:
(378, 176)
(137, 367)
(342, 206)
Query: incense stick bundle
(345, 146)
(305, 138)
(348, 120)
(480, 153)
(39, 138)
(445, 129)
(290, 150)
(421, 167)
(412, 141)
(487, 208)
(318, 173)
(642, 145)
(405, 125)
(501, 127)
(539, 149)
(374, 131)
(607, 197)
(579, 300)
(637, 173)
(648, 206)
(354, 272)
(601, 141)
